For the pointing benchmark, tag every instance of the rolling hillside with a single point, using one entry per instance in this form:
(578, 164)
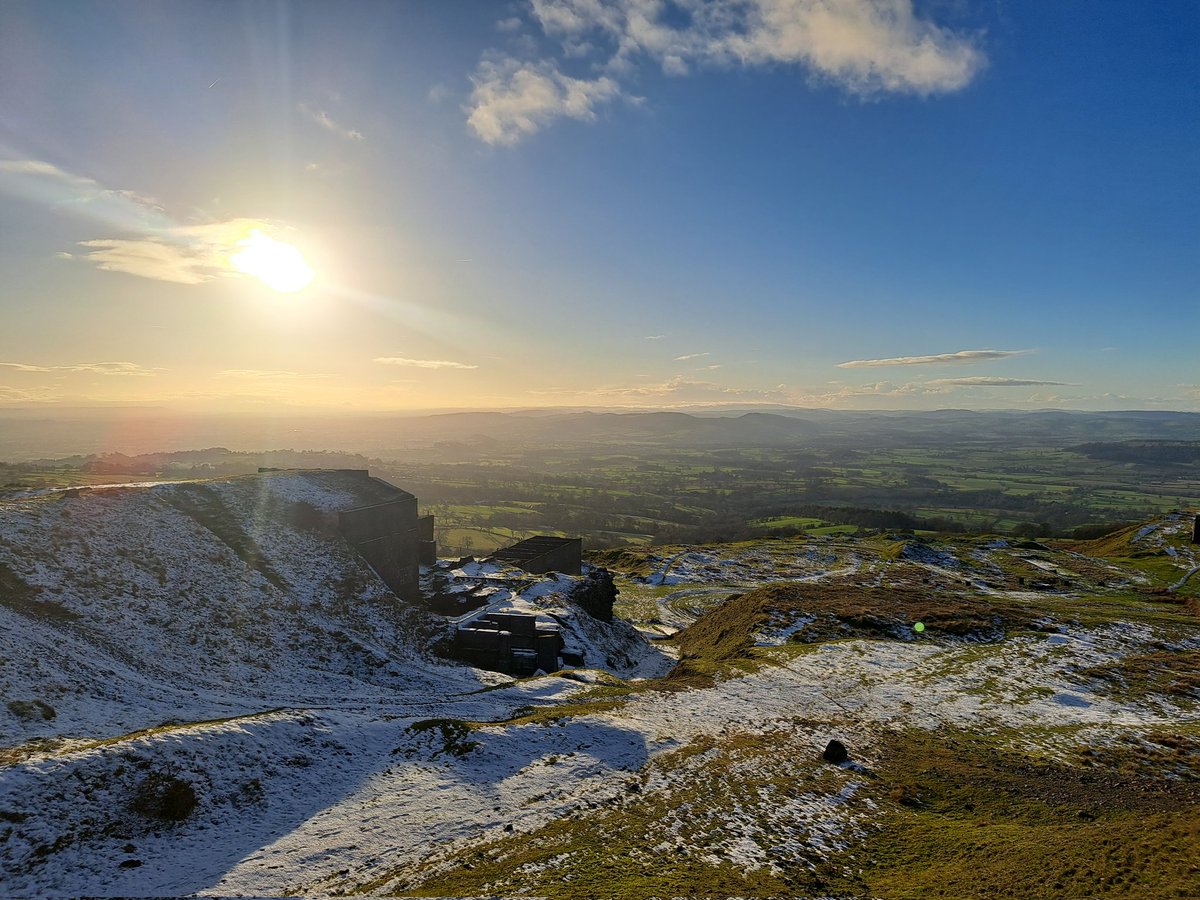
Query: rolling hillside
(208, 692)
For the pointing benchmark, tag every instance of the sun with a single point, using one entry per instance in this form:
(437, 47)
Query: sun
(279, 266)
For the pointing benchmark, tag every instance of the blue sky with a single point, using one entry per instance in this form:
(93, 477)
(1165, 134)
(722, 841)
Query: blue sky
(844, 203)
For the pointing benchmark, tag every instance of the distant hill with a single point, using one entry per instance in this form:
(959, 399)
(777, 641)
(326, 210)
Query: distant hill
(55, 434)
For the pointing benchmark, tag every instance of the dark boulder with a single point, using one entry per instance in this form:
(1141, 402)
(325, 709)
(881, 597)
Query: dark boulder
(835, 752)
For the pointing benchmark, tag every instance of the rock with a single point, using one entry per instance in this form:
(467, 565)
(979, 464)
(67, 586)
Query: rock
(130, 864)
(835, 752)
(596, 594)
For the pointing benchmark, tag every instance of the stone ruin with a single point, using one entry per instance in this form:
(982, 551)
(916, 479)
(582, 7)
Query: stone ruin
(509, 642)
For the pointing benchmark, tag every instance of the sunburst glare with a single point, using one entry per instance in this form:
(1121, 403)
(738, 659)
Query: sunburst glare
(278, 265)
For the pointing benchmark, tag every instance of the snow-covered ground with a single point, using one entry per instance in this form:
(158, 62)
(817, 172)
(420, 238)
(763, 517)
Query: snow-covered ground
(326, 748)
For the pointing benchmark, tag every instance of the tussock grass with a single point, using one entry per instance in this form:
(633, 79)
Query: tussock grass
(724, 637)
(665, 833)
(1164, 671)
(20, 596)
(965, 819)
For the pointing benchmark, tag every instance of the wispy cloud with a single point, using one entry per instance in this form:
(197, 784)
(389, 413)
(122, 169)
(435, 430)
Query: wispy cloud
(160, 249)
(678, 391)
(688, 356)
(997, 381)
(422, 363)
(961, 356)
(100, 368)
(269, 374)
(654, 337)
(20, 395)
(184, 254)
(512, 99)
(865, 47)
(324, 120)
(49, 185)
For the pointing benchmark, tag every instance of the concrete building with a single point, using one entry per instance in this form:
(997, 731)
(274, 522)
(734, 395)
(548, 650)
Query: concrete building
(544, 553)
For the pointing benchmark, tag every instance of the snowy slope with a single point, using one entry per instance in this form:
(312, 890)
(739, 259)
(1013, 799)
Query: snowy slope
(144, 615)
(273, 673)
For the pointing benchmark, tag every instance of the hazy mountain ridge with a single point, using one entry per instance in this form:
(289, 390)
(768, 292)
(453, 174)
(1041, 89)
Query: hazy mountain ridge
(48, 434)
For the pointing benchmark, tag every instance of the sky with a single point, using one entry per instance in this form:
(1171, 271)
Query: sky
(864, 204)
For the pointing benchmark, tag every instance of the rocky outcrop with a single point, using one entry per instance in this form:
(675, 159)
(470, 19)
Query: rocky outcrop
(596, 594)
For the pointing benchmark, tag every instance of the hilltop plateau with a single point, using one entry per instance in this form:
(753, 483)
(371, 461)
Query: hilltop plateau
(208, 691)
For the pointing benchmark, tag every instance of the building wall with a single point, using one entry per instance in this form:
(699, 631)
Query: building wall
(369, 522)
(566, 558)
(386, 536)
(394, 559)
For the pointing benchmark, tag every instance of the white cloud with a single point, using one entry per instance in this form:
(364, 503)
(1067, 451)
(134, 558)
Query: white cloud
(184, 254)
(101, 368)
(422, 363)
(323, 119)
(996, 381)
(150, 258)
(654, 337)
(961, 356)
(688, 356)
(865, 47)
(160, 249)
(513, 99)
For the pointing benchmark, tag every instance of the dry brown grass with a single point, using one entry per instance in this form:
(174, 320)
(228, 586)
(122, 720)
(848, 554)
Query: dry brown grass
(727, 633)
(1156, 671)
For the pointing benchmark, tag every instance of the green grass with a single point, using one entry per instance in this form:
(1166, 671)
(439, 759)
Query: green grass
(786, 522)
(966, 819)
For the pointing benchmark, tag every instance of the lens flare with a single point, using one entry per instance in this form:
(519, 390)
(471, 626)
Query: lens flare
(279, 266)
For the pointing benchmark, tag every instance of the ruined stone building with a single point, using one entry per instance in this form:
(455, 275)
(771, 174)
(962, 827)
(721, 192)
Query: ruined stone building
(508, 642)
(391, 537)
(544, 553)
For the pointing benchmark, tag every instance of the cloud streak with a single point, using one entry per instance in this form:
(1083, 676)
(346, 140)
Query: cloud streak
(49, 185)
(961, 356)
(422, 363)
(864, 47)
(100, 368)
(677, 391)
(997, 381)
(688, 356)
(268, 374)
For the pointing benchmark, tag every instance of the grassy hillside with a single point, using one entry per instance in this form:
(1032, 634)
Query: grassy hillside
(206, 691)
